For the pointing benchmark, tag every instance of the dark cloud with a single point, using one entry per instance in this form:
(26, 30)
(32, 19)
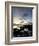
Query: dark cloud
(24, 13)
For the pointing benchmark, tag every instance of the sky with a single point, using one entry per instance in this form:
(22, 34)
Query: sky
(22, 13)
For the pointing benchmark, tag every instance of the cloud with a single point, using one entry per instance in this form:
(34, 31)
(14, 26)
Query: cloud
(22, 14)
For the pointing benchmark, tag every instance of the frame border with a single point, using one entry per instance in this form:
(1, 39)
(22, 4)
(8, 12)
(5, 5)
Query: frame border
(7, 3)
